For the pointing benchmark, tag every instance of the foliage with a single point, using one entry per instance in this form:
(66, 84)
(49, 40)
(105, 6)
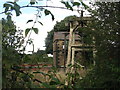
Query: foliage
(63, 25)
(59, 26)
(53, 81)
(10, 56)
(13, 77)
(106, 31)
(39, 57)
(102, 76)
(106, 72)
(12, 6)
(49, 42)
(11, 39)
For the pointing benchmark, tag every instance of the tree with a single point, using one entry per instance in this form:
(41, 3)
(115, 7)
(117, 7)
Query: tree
(10, 57)
(38, 57)
(61, 26)
(12, 75)
(49, 42)
(106, 72)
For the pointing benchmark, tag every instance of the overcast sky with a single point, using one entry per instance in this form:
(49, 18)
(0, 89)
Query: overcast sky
(48, 24)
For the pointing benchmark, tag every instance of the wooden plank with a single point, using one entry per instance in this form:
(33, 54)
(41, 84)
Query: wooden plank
(69, 45)
(78, 49)
(81, 45)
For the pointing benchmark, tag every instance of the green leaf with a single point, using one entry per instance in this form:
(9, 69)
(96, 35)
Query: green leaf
(47, 12)
(31, 75)
(56, 80)
(29, 21)
(7, 7)
(52, 16)
(40, 23)
(76, 4)
(45, 85)
(17, 9)
(63, 2)
(9, 18)
(85, 6)
(27, 31)
(12, 6)
(70, 65)
(32, 3)
(67, 5)
(35, 30)
(53, 83)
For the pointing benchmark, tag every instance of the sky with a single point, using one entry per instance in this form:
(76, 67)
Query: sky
(48, 24)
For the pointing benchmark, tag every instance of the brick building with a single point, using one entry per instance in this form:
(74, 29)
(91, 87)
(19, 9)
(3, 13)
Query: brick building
(60, 46)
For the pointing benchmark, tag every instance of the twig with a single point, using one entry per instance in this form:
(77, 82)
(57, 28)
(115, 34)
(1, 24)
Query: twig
(26, 74)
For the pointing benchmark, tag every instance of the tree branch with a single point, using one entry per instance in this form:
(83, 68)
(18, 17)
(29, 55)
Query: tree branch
(40, 7)
(26, 74)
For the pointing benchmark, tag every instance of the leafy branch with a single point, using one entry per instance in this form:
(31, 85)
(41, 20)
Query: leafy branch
(32, 28)
(20, 71)
(39, 7)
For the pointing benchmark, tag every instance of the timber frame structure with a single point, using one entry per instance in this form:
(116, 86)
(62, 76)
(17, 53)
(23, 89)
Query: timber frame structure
(65, 44)
(73, 47)
(60, 47)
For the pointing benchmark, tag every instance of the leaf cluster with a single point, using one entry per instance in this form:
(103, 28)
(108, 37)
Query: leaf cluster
(9, 6)
(105, 74)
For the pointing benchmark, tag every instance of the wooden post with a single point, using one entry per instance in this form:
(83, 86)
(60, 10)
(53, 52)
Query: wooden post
(73, 53)
(72, 47)
(69, 46)
(73, 27)
(73, 60)
(69, 51)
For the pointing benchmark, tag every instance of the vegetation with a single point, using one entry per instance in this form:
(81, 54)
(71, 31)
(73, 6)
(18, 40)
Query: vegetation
(106, 72)
(105, 29)
(10, 57)
(59, 26)
(39, 57)
(12, 76)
